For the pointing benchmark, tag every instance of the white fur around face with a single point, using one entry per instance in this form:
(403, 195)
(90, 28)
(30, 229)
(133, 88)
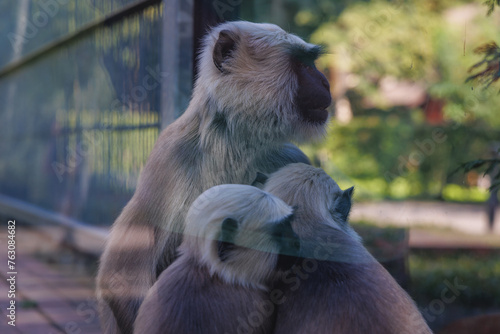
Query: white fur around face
(254, 259)
(260, 84)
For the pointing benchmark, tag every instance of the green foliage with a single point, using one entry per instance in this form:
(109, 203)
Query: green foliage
(457, 193)
(491, 73)
(395, 156)
(375, 36)
(388, 151)
(475, 164)
(415, 41)
(429, 272)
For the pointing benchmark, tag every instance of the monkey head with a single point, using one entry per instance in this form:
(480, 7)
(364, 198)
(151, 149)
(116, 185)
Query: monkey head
(316, 195)
(240, 233)
(261, 77)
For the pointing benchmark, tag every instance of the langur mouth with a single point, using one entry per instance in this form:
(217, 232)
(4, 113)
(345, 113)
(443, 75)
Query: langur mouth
(316, 115)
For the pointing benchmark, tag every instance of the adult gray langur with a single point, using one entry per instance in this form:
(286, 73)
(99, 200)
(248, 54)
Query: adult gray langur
(257, 89)
(234, 239)
(336, 286)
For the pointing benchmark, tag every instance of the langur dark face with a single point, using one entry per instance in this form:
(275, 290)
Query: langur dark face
(313, 95)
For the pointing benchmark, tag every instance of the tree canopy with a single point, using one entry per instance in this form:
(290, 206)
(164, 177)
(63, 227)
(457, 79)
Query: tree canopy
(419, 41)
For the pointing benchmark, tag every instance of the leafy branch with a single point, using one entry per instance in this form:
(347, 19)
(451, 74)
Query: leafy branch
(487, 76)
(491, 73)
(491, 5)
(490, 165)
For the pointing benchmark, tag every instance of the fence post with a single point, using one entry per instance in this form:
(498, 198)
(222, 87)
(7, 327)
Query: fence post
(176, 59)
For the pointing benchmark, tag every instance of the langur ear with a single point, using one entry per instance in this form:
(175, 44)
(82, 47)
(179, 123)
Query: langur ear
(260, 180)
(225, 244)
(343, 205)
(224, 48)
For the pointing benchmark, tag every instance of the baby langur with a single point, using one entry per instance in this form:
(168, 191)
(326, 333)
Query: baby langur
(336, 286)
(234, 240)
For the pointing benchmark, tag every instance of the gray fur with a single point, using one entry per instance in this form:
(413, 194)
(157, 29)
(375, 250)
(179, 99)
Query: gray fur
(337, 286)
(237, 123)
(216, 308)
(200, 293)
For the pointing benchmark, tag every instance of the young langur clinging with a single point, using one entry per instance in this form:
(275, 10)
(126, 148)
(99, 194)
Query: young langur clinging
(336, 286)
(233, 239)
(257, 89)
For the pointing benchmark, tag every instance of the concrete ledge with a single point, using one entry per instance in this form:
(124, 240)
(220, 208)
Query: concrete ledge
(68, 231)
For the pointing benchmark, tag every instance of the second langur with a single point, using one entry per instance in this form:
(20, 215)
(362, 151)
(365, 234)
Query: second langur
(336, 286)
(234, 238)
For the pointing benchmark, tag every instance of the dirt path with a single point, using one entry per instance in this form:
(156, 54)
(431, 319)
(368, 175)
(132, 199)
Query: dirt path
(468, 218)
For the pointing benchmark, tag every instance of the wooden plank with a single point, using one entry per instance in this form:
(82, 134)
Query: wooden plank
(86, 238)
(52, 292)
(72, 288)
(31, 321)
(57, 302)
(28, 320)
